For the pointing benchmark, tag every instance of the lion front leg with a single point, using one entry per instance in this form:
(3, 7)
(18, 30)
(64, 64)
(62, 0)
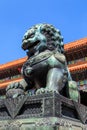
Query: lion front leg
(55, 78)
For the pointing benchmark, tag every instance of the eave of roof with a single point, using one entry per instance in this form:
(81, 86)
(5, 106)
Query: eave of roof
(78, 67)
(6, 83)
(13, 63)
(75, 44)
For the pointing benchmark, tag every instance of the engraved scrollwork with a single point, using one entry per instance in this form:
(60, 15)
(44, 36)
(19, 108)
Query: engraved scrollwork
(13, 125)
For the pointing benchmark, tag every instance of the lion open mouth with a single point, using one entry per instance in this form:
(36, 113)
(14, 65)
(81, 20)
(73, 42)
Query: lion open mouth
(27, 45)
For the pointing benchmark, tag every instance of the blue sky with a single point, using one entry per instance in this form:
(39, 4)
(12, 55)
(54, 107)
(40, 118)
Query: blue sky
(16, 16)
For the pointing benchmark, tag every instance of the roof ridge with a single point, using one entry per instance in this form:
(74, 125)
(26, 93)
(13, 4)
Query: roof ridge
(81, 39)
(70, 45)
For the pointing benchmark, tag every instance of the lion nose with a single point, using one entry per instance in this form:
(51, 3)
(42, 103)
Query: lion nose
(24, 44)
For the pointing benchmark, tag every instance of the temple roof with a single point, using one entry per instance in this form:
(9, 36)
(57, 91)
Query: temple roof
(3, 85)
(75, 44)
(78, 66)
(13, 63)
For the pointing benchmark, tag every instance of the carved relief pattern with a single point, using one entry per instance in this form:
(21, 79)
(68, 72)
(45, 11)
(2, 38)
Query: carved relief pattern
(82, 111)
(39, 106)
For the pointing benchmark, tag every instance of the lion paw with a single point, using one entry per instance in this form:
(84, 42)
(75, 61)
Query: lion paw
(45, 90)
(14, 85)
(14, 90)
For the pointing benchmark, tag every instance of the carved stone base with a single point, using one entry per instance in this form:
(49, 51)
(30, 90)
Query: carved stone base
(46, 123)
(49, 111)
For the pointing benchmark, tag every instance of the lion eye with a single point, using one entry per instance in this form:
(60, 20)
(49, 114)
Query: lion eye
(31, 35)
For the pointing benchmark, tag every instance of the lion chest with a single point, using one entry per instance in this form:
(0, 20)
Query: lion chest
(48, 59)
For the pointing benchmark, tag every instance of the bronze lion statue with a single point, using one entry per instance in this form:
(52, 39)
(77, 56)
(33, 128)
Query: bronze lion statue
(46, 68)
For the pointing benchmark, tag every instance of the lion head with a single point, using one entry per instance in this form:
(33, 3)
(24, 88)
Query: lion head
(41, 37)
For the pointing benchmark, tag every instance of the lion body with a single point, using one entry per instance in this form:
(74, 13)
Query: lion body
(46, 68)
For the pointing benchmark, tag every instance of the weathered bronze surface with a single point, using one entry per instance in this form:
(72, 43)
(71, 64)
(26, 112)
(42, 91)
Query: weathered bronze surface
(33, 112)
(46, 68)
(47, 98)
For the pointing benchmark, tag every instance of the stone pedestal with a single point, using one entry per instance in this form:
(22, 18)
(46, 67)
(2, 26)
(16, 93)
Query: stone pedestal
(49, 111)
(49, 123)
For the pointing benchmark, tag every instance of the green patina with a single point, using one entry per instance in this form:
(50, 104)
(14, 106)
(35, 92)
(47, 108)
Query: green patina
(45, 49)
